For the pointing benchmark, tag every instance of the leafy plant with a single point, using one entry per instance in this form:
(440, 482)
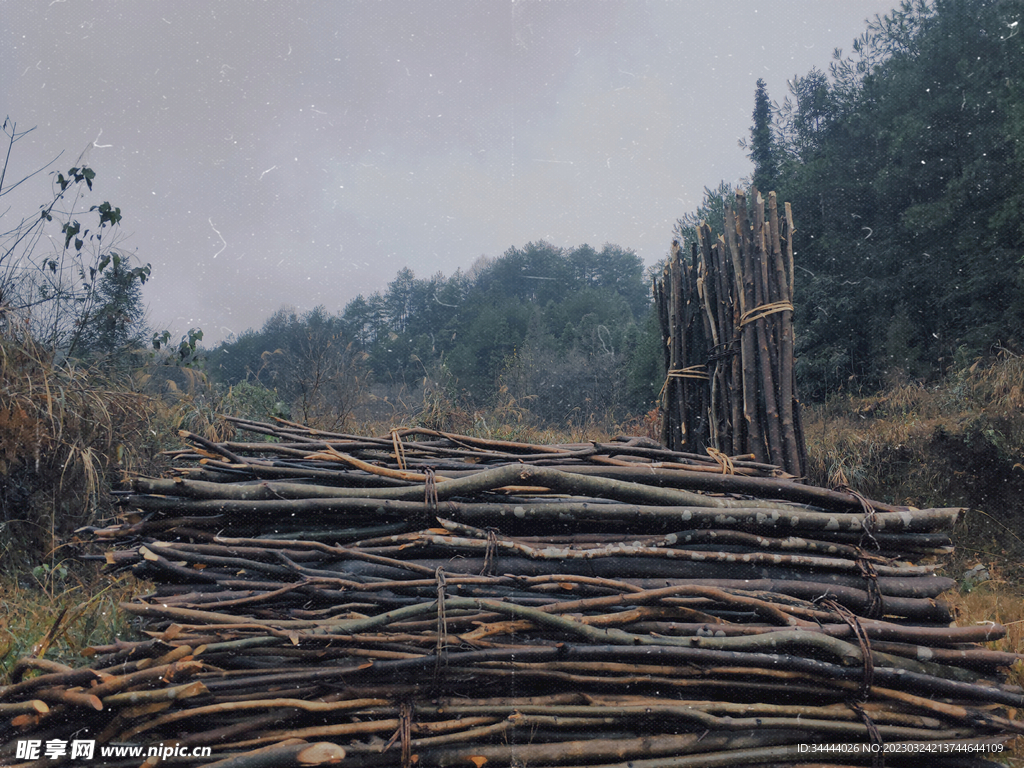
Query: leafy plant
(58, 279)
(50, 577)
(187, 348)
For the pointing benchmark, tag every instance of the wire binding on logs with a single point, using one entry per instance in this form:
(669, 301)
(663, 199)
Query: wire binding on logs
(870, 521)
(867, 677)
(848, 616)
(403, 734)
(440, 650)
(724, 350)
(492, 546)
(874, 607)
(874, 735)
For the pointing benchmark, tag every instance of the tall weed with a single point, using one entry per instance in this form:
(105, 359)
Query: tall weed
(68, 432)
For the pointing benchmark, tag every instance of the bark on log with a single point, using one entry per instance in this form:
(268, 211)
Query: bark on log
(285, 755)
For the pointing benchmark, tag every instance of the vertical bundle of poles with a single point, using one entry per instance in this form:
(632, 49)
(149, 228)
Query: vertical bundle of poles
(726, 316)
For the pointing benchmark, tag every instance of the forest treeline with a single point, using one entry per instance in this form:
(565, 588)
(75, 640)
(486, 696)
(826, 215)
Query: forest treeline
(903, 165)
(552, 331)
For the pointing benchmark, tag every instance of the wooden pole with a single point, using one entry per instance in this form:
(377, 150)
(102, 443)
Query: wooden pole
(765, 345)
(793, 459)
(748, 333)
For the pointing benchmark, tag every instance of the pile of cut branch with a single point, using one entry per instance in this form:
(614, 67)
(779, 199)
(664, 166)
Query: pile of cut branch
(432, 599)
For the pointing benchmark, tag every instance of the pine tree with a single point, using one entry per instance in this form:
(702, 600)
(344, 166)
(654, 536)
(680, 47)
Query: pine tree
(118, 324)
(763, 149)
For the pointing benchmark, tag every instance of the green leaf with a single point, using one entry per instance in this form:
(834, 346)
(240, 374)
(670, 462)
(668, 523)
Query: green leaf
(159, 339)
(108, 214)
(70, 230)
(142, 273)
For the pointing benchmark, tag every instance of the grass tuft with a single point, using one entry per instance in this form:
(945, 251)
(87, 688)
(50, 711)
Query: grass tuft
(58, 613)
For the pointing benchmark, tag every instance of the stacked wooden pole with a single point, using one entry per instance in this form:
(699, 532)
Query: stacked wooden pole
(431, 599)
(727, 321)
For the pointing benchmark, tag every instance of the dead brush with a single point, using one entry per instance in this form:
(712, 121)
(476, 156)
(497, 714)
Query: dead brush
(67, 433)
(999, 386)
(648, 425)
(907, 442)
(442, 406)
(183, 398)
(509, 418)
(200, 415)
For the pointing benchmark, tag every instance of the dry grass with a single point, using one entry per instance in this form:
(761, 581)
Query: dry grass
(1000, 600)
(960, 443)
(441, 406)
(71, 432)
(997, 600)
(67, 432)
(183, 398)
(871, 440)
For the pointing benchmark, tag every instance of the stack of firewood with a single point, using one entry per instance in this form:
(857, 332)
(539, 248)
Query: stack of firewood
(432, 599)
(726, 316)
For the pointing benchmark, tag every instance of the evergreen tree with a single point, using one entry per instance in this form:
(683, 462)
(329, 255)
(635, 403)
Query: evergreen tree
(763, 150)
(117, 326)
(897, 168)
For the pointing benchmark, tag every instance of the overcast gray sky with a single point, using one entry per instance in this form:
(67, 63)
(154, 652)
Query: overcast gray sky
(301, 153)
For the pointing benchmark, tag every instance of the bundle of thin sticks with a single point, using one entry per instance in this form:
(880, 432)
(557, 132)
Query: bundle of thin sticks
(726, 316)
(433, 599)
